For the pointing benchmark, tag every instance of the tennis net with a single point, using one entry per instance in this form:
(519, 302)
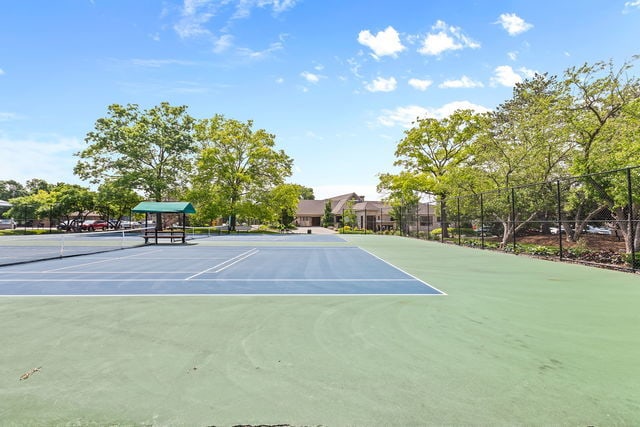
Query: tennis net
(16, 249)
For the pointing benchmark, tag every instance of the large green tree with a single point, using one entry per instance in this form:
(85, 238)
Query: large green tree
(237, 164)
(150, 151)
(524, 141)
(436, 150)
(10, 189)
(604, 123)
(115, 202)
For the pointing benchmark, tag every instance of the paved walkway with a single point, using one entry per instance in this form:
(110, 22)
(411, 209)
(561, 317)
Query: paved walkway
(315, 230)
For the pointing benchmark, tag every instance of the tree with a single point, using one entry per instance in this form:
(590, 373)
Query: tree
(604, 122)
(306, 193)
(34, 185)
(238, 163)
(524, 140)
(115, 201)
(11, 189)
(349, 214)
(28, 207)
(327, 216)
(402, 193)
(434, 149)
(72, 201)
(282, 201)
(150, 151)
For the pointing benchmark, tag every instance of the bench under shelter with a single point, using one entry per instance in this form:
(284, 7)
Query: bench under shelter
(173, 234)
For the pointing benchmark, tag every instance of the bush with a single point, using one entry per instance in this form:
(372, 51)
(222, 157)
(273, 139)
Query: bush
(628, 259)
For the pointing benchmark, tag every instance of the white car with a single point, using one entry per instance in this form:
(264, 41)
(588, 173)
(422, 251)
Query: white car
(598, 230)
(7, 224)
(554, 230)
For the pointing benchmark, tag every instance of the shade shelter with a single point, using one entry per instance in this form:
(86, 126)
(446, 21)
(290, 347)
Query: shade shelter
(183, 208)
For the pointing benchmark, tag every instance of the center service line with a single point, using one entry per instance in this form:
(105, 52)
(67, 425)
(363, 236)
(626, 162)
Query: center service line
(229, 263)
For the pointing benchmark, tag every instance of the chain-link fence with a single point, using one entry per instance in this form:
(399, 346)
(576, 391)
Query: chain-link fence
(589, 219)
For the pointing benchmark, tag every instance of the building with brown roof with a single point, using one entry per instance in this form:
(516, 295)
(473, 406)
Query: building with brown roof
(369, 215)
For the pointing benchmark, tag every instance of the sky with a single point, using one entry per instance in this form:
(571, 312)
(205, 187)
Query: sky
(338, 82)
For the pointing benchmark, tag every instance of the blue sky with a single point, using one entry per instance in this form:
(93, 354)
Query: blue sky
(337, 81)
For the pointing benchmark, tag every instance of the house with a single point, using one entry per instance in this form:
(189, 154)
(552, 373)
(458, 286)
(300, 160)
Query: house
(370, 215)
(310, 212)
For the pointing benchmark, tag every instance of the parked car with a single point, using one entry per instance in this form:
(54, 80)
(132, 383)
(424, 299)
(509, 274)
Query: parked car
(7, 224)
(73, 225)
(124, 224)
(94, 225)
(598, 230)
(554, 230)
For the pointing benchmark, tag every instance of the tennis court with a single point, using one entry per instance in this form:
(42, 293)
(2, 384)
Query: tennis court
(279, 265)
(515, 340)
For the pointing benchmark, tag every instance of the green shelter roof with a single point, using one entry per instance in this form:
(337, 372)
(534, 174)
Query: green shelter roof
(164, 207)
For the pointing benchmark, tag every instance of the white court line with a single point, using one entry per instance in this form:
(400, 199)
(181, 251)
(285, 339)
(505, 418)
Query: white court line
(215, 295)
(99, 261)
(402, 271)
(230, 262)
(160, 279)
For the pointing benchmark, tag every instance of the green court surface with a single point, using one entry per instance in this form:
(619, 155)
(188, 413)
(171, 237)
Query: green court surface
(516, 341)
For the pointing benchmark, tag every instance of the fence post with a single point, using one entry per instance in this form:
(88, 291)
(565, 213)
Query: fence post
(443, 224)
(418, 219)
(559, 207)
(630, 220)
(481, 221)
(513, 216)
(428, 222)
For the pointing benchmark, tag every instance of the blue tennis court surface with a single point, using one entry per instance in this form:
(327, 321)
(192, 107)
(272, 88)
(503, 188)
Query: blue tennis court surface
(212, 269)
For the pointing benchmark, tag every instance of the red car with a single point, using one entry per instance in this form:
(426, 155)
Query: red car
(94, 225)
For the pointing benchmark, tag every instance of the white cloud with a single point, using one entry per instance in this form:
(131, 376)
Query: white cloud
(311, 77)
(527, 73)
(512, 55)
(48, 157)
(406, 116)
(385, 43)
(382, 85)
(630, 5)
(244, 7)
(505, 76)
(513, 24)
(1, 72)
(444, 38)
(196, 21)
(195, 14)
(402, 116)
(420, 84)
(354, 67)
(260, 54)
(280, 80)
(222, 43)
(463, 82)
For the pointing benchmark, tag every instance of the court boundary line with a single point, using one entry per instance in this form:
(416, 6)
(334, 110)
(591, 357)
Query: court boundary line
(214, 280)
(217, 295)
(402, 271)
